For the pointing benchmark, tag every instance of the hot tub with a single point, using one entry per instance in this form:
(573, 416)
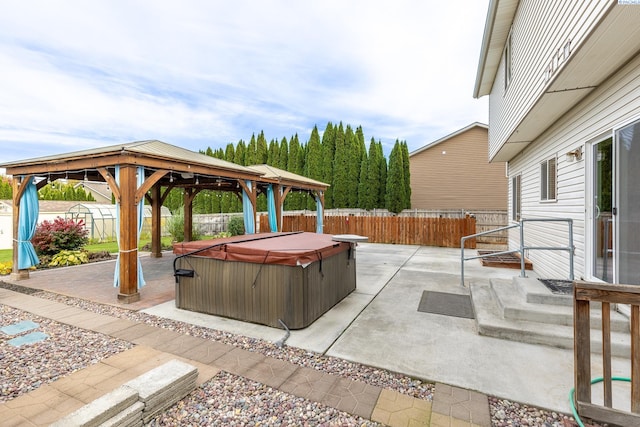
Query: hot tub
(265, 278)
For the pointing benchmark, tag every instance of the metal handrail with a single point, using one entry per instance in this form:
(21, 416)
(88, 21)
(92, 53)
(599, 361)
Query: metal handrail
(522, 248)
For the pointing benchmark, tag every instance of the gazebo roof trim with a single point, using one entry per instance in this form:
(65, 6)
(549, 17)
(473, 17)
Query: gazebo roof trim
(271, 172)
(149, 148)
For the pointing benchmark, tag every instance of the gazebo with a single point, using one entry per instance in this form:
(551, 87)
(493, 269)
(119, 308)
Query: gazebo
(148, 170)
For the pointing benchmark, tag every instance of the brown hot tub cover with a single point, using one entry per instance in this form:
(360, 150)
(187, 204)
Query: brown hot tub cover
(293, 249)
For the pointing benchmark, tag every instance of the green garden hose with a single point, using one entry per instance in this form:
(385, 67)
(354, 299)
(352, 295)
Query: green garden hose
(593, 381)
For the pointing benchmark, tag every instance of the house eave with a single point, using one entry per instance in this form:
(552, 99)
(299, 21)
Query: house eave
(614, 41)
(446, 138)
(500, 15)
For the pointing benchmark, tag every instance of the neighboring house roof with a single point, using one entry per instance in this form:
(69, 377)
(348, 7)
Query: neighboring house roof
(48, 206)
(96, 187)
(451, 135)
(102, 210)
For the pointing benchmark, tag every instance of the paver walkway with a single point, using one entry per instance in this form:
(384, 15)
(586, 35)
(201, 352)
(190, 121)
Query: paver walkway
(451, 406)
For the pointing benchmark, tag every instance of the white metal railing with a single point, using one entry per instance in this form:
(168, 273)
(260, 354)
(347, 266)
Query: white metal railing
(522, 247)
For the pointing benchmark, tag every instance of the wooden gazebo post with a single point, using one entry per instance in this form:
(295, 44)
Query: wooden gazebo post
(156, 221)
(277, 198)
(252, 194)
(189, 195)
(128, 236)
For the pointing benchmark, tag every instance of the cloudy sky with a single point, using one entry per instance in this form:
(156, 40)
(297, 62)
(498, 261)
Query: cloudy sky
(78, 74)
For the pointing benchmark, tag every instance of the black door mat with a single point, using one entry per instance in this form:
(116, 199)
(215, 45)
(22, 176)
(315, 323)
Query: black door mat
(560, 287)
(446, 304)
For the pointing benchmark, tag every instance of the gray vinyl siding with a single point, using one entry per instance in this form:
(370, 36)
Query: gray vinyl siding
(539, 29)
(616, 102)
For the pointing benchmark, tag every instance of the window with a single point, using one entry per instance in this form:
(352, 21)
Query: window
(507, 62)
(516, 198)
(548, 179)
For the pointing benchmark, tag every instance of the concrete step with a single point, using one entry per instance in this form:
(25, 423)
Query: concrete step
(535, 292)
(490, 322)
(513, 299)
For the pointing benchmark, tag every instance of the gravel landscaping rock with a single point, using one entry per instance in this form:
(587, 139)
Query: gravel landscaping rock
(226, 399)
(66, 350)
(229, 400)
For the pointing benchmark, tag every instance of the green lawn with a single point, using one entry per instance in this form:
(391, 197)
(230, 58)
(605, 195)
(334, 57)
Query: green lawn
(112, 247)
(6, 255)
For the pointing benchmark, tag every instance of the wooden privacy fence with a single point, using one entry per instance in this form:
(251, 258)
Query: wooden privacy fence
(585, 293)
(444, 232)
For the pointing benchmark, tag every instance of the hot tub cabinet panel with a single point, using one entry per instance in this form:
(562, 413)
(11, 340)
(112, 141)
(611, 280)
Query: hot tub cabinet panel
(266, 292)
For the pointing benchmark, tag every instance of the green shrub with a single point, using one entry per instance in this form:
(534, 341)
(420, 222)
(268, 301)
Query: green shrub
(65, 257)
(60, 234)
(175, 227)
(236, 226)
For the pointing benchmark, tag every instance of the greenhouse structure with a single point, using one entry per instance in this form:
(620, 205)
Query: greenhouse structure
(101, 220)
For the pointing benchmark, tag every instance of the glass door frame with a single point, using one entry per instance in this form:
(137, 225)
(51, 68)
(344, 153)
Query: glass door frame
(590, 209)
(591, 239)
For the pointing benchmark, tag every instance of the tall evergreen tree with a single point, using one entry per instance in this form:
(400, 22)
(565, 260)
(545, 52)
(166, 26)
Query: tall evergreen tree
(250, 158)
(395, 180)
(364, 185)
(382, 163)
(296, 156)
(369, 200)
(219, 154)
(357, 151)
(354, 157)
(273, 157)
(262, 150)
(283, 161)
(341, 170)
(230, 153)
(296, 165)
(407, 175)
(328, 153)
(240, 153)
(313, 163)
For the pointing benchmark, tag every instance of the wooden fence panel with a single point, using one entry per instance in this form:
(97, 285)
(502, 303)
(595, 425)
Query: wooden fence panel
(444, 232)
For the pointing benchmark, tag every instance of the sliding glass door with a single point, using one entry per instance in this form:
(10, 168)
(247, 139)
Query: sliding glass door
(627, 212)
(616, 207)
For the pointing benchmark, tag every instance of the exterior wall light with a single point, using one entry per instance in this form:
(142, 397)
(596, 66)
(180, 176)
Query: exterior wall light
(574, 155)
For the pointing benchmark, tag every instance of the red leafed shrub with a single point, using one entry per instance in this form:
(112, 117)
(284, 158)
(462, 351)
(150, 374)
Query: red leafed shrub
(54, 236)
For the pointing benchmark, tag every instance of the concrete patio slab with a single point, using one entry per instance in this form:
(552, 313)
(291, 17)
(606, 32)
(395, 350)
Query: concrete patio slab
(379, 325)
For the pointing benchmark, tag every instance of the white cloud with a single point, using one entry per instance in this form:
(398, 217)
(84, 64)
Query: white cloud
(204, 73)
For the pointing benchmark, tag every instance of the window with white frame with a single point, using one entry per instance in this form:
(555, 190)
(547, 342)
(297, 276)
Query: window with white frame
(507, 62)
(516, 198)
(548, 179)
